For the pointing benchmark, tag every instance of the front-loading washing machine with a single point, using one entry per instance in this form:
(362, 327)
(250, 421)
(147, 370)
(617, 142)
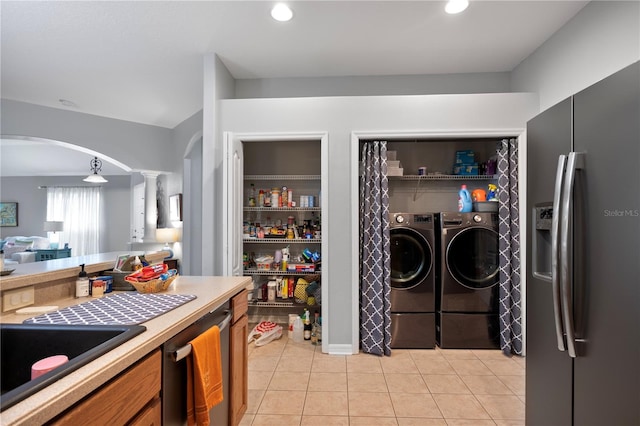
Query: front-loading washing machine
(468, 308)
(413, 280)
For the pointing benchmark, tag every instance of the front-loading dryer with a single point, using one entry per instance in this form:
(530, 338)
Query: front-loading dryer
(413, 280)
(469, 275)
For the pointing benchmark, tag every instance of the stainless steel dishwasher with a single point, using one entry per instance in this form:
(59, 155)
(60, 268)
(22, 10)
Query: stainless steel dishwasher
(174, 369)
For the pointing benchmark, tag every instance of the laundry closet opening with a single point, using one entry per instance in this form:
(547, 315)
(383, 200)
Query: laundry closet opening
(444, 264)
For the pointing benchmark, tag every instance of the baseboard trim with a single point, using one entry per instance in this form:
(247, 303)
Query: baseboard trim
(341, 350)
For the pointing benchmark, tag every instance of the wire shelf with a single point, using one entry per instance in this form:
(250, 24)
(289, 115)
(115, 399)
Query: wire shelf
(255, 302)
(273, 272)
(281, 240)
(444, 177)
(282, 177)
(282, 209)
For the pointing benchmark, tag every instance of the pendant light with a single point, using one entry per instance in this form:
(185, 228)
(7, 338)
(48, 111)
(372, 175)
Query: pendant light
(96, 166)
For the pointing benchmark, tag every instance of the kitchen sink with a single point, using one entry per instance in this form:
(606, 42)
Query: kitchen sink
(24, 344)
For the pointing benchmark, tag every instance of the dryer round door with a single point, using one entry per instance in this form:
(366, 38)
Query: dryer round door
(411, 258)
(472, 258)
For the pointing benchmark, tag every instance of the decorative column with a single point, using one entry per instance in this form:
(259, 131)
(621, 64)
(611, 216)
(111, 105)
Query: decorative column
(150, 206)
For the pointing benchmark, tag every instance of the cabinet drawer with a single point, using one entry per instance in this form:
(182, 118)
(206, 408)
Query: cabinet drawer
(118, 401)
(150, 416)
(239, 304)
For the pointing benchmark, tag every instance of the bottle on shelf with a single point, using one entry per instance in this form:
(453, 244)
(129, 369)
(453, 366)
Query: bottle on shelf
(137, 264)
(252, 196)
(261, 198)
(276, 198)
(267, 199)
(464, 200)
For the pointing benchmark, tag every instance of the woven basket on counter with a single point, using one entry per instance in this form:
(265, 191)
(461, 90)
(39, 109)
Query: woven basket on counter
(153, 286)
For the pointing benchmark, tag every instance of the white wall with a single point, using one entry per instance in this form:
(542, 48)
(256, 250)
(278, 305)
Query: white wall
(601, 39)
(340, 116)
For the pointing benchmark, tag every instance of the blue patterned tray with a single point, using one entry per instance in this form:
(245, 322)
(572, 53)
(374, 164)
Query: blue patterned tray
(123, 308)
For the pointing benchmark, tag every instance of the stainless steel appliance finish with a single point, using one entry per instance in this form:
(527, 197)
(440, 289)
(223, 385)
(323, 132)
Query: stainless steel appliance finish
(174, 369)
(468, 292)
(583, 298)
(413, 278)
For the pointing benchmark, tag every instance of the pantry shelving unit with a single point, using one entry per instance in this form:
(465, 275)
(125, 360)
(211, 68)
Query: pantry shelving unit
(301, 184)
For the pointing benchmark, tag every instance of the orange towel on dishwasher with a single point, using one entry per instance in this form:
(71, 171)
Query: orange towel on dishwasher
(204, 376)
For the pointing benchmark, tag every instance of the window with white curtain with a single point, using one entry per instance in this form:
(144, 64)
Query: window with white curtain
(79, 209)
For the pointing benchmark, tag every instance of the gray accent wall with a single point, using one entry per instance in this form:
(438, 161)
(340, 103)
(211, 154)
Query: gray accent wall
(340, 116)
(496, 82)
(601, 39)
(139, 146)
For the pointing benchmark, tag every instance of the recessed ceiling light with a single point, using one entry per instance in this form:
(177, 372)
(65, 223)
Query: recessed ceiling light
(456, 6)
(281, 12)
(68, 103)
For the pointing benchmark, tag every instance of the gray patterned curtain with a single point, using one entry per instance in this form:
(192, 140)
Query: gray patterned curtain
(375, 270)
(509, 247)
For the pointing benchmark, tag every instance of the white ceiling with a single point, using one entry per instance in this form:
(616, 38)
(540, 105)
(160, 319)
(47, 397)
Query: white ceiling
(142, 61)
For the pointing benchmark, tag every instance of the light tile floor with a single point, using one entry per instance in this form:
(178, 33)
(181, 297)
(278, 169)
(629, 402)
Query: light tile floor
(296, 384)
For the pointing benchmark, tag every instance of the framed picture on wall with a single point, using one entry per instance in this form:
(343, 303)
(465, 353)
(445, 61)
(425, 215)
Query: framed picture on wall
(8, 214)
(175, 207)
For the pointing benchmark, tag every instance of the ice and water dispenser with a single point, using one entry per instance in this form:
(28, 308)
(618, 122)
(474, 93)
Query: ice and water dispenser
(541, 244)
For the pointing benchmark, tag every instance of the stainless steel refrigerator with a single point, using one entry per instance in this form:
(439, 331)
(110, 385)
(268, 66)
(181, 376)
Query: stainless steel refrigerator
(583, 261)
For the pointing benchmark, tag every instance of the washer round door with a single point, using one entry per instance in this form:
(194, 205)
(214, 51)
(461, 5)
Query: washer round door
(472, 258)
(411, 258)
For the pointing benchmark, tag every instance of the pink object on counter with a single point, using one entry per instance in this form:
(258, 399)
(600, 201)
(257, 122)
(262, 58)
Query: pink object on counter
(47, 364)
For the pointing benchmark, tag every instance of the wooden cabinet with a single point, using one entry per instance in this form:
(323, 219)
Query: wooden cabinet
(133, 397)
(239, 358)
(150, 416)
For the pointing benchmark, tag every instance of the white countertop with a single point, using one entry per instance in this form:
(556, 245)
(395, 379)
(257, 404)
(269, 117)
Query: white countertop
(54, 399)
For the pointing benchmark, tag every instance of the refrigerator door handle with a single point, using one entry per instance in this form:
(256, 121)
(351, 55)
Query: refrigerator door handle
(555, 256)
(574, 162)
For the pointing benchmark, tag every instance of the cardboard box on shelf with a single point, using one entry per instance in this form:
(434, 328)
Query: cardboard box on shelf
(395, 171)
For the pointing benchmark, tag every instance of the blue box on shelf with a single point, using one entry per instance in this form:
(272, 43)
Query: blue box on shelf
(465, 157)
(466, 169)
